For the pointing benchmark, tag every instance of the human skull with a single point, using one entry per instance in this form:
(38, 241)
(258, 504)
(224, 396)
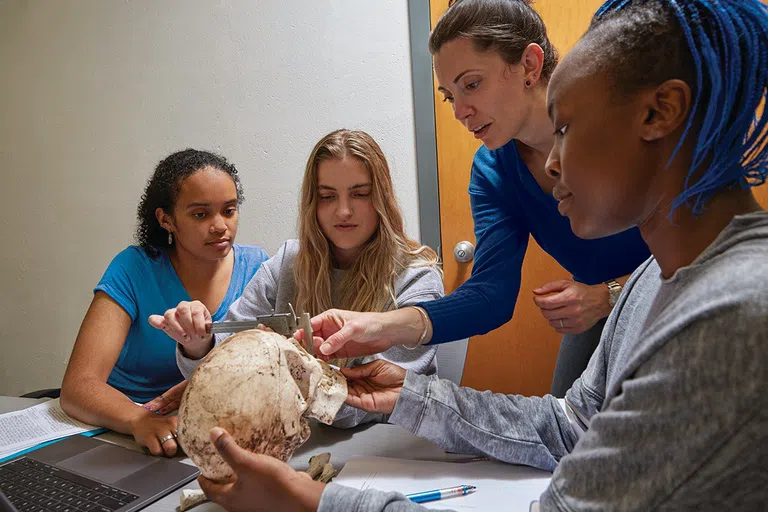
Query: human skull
(260, 387)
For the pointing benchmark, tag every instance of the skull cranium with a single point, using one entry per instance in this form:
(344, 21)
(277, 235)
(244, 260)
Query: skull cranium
(260, 387)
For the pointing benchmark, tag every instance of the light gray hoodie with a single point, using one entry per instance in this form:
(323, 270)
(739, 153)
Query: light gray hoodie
(273, 287)
(672, 405)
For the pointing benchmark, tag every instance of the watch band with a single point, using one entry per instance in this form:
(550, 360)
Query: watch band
(614, 290)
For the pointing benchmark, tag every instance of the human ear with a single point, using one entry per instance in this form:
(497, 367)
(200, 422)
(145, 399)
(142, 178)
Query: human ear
(667, 109)
(532, 61)
(164, 219)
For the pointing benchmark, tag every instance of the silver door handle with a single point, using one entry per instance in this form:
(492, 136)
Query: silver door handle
(464, 252)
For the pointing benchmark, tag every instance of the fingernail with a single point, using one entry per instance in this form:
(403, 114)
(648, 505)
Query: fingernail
(157, 412)
(325, 348)
(216, 433)
(147, 407)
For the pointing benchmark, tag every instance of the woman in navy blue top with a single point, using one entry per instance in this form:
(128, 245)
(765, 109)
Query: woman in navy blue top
(187, 226)
(493, 61)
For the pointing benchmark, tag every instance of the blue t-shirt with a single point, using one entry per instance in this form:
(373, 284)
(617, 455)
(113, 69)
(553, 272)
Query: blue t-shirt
(144, 286)
(508, 205)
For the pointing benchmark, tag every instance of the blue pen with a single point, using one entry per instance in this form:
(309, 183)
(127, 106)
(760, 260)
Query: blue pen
(439, 494)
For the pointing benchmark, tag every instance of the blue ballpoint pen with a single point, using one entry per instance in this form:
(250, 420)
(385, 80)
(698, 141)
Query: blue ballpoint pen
(439, 494)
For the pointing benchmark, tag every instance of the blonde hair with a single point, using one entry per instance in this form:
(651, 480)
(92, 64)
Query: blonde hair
(369, 283)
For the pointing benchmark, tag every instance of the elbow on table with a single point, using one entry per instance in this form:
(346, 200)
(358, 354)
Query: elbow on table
(67, 400)
(72, 396)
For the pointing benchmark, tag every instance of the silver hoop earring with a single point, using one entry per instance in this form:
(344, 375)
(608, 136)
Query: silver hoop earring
(170, 238)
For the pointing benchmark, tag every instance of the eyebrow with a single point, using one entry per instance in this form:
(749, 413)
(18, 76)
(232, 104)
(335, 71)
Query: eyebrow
(353, 187)
(458, 77)
(198, 205)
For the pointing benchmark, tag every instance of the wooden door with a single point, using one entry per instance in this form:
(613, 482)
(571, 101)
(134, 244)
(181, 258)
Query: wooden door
(518, 357)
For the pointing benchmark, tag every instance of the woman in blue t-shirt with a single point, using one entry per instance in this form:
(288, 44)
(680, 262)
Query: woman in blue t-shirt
(187, 222)
(493, 61)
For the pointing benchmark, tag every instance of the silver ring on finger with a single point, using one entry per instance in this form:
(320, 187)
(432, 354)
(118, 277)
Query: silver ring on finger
(561, 324)
(166, 438)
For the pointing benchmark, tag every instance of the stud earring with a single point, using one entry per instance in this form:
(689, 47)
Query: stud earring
(170, 238)
(527, 83)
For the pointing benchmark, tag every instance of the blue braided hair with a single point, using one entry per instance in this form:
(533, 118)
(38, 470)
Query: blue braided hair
(720, 48)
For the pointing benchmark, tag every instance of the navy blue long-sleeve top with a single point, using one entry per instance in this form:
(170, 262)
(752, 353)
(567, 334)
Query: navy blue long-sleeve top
(508, 205)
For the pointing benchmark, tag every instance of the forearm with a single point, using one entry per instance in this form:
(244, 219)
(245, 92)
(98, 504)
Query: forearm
(403, 326)
(470, 301)
(97, 403)
(520, 430)
(487, 299)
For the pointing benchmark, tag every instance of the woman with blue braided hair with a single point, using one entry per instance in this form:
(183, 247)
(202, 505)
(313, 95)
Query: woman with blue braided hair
(659, 124)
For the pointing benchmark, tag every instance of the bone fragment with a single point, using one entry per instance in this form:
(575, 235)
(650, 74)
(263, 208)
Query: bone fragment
(190, 498)
(328, 473)
(316, 463)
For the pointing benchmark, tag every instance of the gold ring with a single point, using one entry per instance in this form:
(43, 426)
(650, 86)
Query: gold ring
(166, 438)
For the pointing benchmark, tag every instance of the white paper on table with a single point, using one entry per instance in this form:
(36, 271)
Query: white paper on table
(23, 429)
(499, 486)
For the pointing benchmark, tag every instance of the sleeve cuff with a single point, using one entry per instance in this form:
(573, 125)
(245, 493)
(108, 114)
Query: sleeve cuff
(118, 296)
(338, 497)
(410, 406)
(185, 364)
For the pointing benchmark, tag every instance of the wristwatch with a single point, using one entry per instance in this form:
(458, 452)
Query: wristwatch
(614, 290)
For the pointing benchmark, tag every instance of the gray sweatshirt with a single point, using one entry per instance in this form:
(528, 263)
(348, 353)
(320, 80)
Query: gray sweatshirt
(273, 287)
(672, 405)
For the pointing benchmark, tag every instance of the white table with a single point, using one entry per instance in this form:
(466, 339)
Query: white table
(367, 440)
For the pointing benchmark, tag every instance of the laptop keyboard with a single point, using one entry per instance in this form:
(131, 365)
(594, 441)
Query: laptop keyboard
(33, 486)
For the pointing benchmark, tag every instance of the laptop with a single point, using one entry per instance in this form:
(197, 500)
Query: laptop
(83, 474)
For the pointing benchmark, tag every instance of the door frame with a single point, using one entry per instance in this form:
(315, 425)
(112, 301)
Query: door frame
(450, 356)
(424, 120)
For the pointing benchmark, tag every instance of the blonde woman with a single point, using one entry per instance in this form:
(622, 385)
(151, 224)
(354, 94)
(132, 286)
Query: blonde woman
(352, 253)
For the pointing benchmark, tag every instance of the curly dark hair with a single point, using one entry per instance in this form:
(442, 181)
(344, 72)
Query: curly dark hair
(162, 190)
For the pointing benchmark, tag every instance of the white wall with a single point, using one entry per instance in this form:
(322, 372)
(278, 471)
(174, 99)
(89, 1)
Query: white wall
(93, 93)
